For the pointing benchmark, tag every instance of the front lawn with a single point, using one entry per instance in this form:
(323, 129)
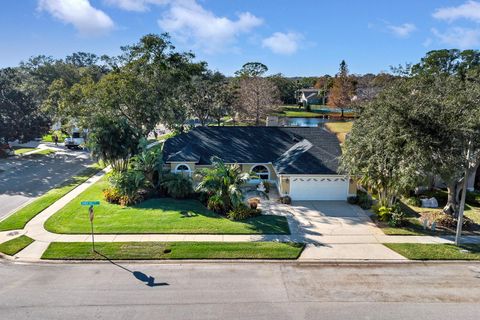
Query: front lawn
(172, 250)
(19, 219)
(15, 245)
(160, 215)
(418, 251)
(22, 150)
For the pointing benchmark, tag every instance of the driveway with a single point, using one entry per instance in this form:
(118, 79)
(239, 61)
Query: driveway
(23, 179)
(336, 230)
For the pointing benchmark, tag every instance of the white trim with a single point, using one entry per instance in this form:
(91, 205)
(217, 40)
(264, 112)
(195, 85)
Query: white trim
(189, 171)
(263, 165)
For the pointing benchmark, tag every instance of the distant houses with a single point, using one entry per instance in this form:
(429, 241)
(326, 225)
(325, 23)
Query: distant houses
(309, 96)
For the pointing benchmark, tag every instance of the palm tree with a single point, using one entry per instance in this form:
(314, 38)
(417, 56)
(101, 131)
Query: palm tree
(223, 184)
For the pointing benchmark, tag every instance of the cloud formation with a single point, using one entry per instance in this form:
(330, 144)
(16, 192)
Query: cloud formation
(403, 30)
(187, 21)
(283, 43)
(135, 5)
(463, 38)
(470, 10)
(87, 20)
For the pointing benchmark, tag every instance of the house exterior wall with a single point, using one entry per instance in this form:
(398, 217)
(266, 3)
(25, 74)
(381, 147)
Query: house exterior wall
(245, 167)
(352, 187)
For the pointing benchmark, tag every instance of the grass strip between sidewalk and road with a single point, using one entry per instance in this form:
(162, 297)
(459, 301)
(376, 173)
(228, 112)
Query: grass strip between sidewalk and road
(420, 251)
(16, 245)
(172, 250)
(20, 218)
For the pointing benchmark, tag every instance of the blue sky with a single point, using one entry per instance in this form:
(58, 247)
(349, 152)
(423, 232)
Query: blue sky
(296, 38)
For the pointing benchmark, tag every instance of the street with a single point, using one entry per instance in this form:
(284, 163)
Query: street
(22, 179)
(239, 291)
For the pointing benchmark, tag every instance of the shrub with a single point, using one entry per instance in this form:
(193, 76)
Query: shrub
(243, 212)
(413, 201)
(285, 200)
(375, 208)
(178, 186)
(253, 202)
(128, 200)
(111, 195)
(384, 213)
(364, 201)
(216, 204)
(397, 217)
(127, 182)
(352, 200)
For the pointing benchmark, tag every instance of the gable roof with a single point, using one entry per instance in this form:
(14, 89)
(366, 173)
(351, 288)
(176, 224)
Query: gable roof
(291, 150)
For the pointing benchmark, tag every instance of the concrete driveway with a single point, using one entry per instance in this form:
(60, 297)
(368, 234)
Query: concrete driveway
(336, 230)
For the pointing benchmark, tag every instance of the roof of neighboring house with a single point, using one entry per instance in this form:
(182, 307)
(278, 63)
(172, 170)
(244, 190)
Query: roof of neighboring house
(291, 150)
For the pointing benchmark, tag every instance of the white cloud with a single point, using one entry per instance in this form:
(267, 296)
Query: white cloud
(403, 30)
(470, 10)
(463, 38)
(135, 5)
(80, 13)
(187, 21)
(283, 43)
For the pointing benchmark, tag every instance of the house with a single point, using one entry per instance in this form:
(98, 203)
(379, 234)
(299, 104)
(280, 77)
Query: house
(309, 96)
(301, 162)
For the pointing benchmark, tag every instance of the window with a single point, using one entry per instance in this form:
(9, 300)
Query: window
(183, 169)
(261, 172)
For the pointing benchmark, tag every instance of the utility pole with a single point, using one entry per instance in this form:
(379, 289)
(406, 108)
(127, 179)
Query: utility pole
(464, 196)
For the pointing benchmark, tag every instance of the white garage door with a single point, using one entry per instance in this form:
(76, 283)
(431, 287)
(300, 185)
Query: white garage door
(318, 188)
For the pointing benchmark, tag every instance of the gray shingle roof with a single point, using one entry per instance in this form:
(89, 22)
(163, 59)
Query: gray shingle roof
(292, 150)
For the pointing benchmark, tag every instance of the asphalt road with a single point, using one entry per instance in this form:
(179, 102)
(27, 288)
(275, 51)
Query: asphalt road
(22, 179)
(239, 291)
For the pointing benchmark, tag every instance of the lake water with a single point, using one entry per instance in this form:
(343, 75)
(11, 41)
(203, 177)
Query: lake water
(305, 122)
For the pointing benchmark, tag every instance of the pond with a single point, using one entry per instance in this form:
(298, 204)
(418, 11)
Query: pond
(305, 122)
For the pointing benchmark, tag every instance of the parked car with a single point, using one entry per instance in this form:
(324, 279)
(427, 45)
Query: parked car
(75, 141)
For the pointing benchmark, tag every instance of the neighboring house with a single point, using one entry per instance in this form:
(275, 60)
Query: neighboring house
(309, 96)
(301, 162)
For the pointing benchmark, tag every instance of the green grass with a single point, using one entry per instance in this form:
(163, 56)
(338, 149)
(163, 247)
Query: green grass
(172, 250)
(48, 137)
(21, 150)
(417, 251)
(14, 246)
(19, 219)
(300, 112)
(161, 215)
(166, 136)
(41, 153)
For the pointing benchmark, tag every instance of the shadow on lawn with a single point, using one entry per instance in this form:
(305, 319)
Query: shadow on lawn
(148, 280)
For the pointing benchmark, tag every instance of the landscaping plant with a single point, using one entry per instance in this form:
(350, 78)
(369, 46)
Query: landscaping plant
(223, 183)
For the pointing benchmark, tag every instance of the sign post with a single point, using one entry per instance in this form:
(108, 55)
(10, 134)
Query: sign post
(91, 215)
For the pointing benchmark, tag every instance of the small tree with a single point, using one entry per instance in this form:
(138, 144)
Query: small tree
(223, 184)
(342, 91)
(113, 141)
